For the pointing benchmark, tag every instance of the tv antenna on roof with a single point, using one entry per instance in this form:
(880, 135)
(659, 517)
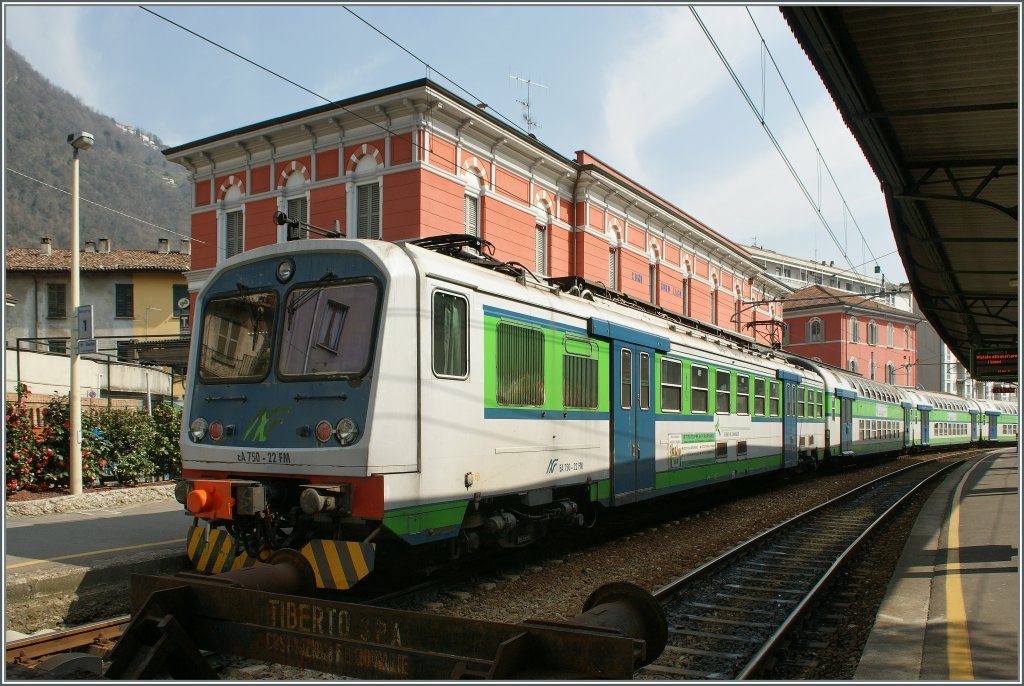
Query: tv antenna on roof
(530, 122)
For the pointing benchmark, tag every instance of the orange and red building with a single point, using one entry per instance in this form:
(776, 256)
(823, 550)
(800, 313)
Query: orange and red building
(414, 160)
(853, 332)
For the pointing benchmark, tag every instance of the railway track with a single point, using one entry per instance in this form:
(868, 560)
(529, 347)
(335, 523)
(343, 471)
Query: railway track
(728, 616)
(97, 638)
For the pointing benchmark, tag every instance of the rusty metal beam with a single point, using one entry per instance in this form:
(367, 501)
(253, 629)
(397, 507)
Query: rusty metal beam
(621, 629)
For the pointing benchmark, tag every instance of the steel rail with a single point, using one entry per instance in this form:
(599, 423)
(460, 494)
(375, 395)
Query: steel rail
(756, 662)
(30, 650)
(675, 591)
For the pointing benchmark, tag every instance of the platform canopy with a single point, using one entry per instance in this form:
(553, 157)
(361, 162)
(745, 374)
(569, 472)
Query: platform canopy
(931, 95)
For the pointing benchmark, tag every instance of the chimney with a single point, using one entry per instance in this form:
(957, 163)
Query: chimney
(45, 249)
(163, 246)
(831, 263)
(186, 246)
(90, 246)
(104, 245)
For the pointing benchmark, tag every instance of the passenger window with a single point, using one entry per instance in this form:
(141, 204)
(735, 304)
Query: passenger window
(671, 385)
(775, 404)
(759, 397)
(520, 365)
(742, 394)
(698, 389)
(450, 335)
(723, 383)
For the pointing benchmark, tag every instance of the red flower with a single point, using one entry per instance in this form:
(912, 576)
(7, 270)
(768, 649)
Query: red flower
(67, 424)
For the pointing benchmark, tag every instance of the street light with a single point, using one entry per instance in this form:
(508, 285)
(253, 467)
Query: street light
(79, 141)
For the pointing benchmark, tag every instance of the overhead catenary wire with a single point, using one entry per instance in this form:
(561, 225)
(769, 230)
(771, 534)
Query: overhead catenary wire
(807, 128)
(771, 136)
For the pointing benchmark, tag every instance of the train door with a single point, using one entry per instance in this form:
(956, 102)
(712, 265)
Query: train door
(790, 449)
(993, 426)
(974, 426)
(925, 428)
(846, 426)
(632, 421)
(908, 417)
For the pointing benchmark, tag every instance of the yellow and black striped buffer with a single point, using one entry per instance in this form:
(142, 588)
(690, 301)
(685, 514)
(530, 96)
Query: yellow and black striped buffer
(339, 564)
(214, 553)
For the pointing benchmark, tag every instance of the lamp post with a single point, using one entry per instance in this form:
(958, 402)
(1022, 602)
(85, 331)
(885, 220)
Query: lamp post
(79, 141)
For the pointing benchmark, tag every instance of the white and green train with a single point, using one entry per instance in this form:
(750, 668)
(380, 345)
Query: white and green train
(347, 397)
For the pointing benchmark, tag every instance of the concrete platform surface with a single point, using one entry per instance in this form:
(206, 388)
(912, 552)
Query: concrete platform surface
(952, 610)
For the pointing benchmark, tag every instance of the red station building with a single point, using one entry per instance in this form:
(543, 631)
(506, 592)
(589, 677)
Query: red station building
(853, 332)
(414, 160)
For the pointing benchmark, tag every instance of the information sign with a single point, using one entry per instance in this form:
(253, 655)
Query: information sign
(994, 365)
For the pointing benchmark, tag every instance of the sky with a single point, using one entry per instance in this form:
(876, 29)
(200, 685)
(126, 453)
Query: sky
(641, 88)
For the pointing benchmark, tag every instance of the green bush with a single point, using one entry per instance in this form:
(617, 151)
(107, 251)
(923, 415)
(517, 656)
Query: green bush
(167, 452)
(126, 445)
(126, 442)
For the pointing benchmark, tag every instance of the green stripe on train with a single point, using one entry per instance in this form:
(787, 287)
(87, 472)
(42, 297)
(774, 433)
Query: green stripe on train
(413, 520)
(696, 475)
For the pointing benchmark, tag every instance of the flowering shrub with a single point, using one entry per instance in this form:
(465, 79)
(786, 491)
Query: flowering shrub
(20, 443)
(127, 445)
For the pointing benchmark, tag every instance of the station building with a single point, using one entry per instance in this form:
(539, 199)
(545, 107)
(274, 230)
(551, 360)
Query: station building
(414, 160)
(859, 334)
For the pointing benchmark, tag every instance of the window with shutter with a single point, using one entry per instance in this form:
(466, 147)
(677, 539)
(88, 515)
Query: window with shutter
(56, 300)
(368, 211)
(298, 210)
(124, 300)
(540, 249)
(234, 233)
(613, 270)
(471, 215)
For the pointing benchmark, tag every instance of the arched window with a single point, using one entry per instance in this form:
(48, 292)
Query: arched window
(853, 365)
(471, 204)
(906, 337)
(364, 198)
(295, 203)
(815, 331)
(231, 220)
(890, 373)
(872, 333)
(854, 330)
(613, 269)
(872, 377)
(890, 334)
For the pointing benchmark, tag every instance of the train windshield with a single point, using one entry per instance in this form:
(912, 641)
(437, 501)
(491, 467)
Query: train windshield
(237, 334)
(328, 330)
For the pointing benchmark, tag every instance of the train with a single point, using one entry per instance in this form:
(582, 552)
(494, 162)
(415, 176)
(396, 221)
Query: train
(347, 399)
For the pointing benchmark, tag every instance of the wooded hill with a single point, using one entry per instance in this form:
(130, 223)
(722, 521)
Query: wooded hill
(120, 172)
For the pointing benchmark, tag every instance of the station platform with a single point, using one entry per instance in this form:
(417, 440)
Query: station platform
(952, 610)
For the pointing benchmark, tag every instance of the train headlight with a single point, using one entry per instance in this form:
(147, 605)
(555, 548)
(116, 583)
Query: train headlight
(198, 429)
(347, 431)
(285, 271)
